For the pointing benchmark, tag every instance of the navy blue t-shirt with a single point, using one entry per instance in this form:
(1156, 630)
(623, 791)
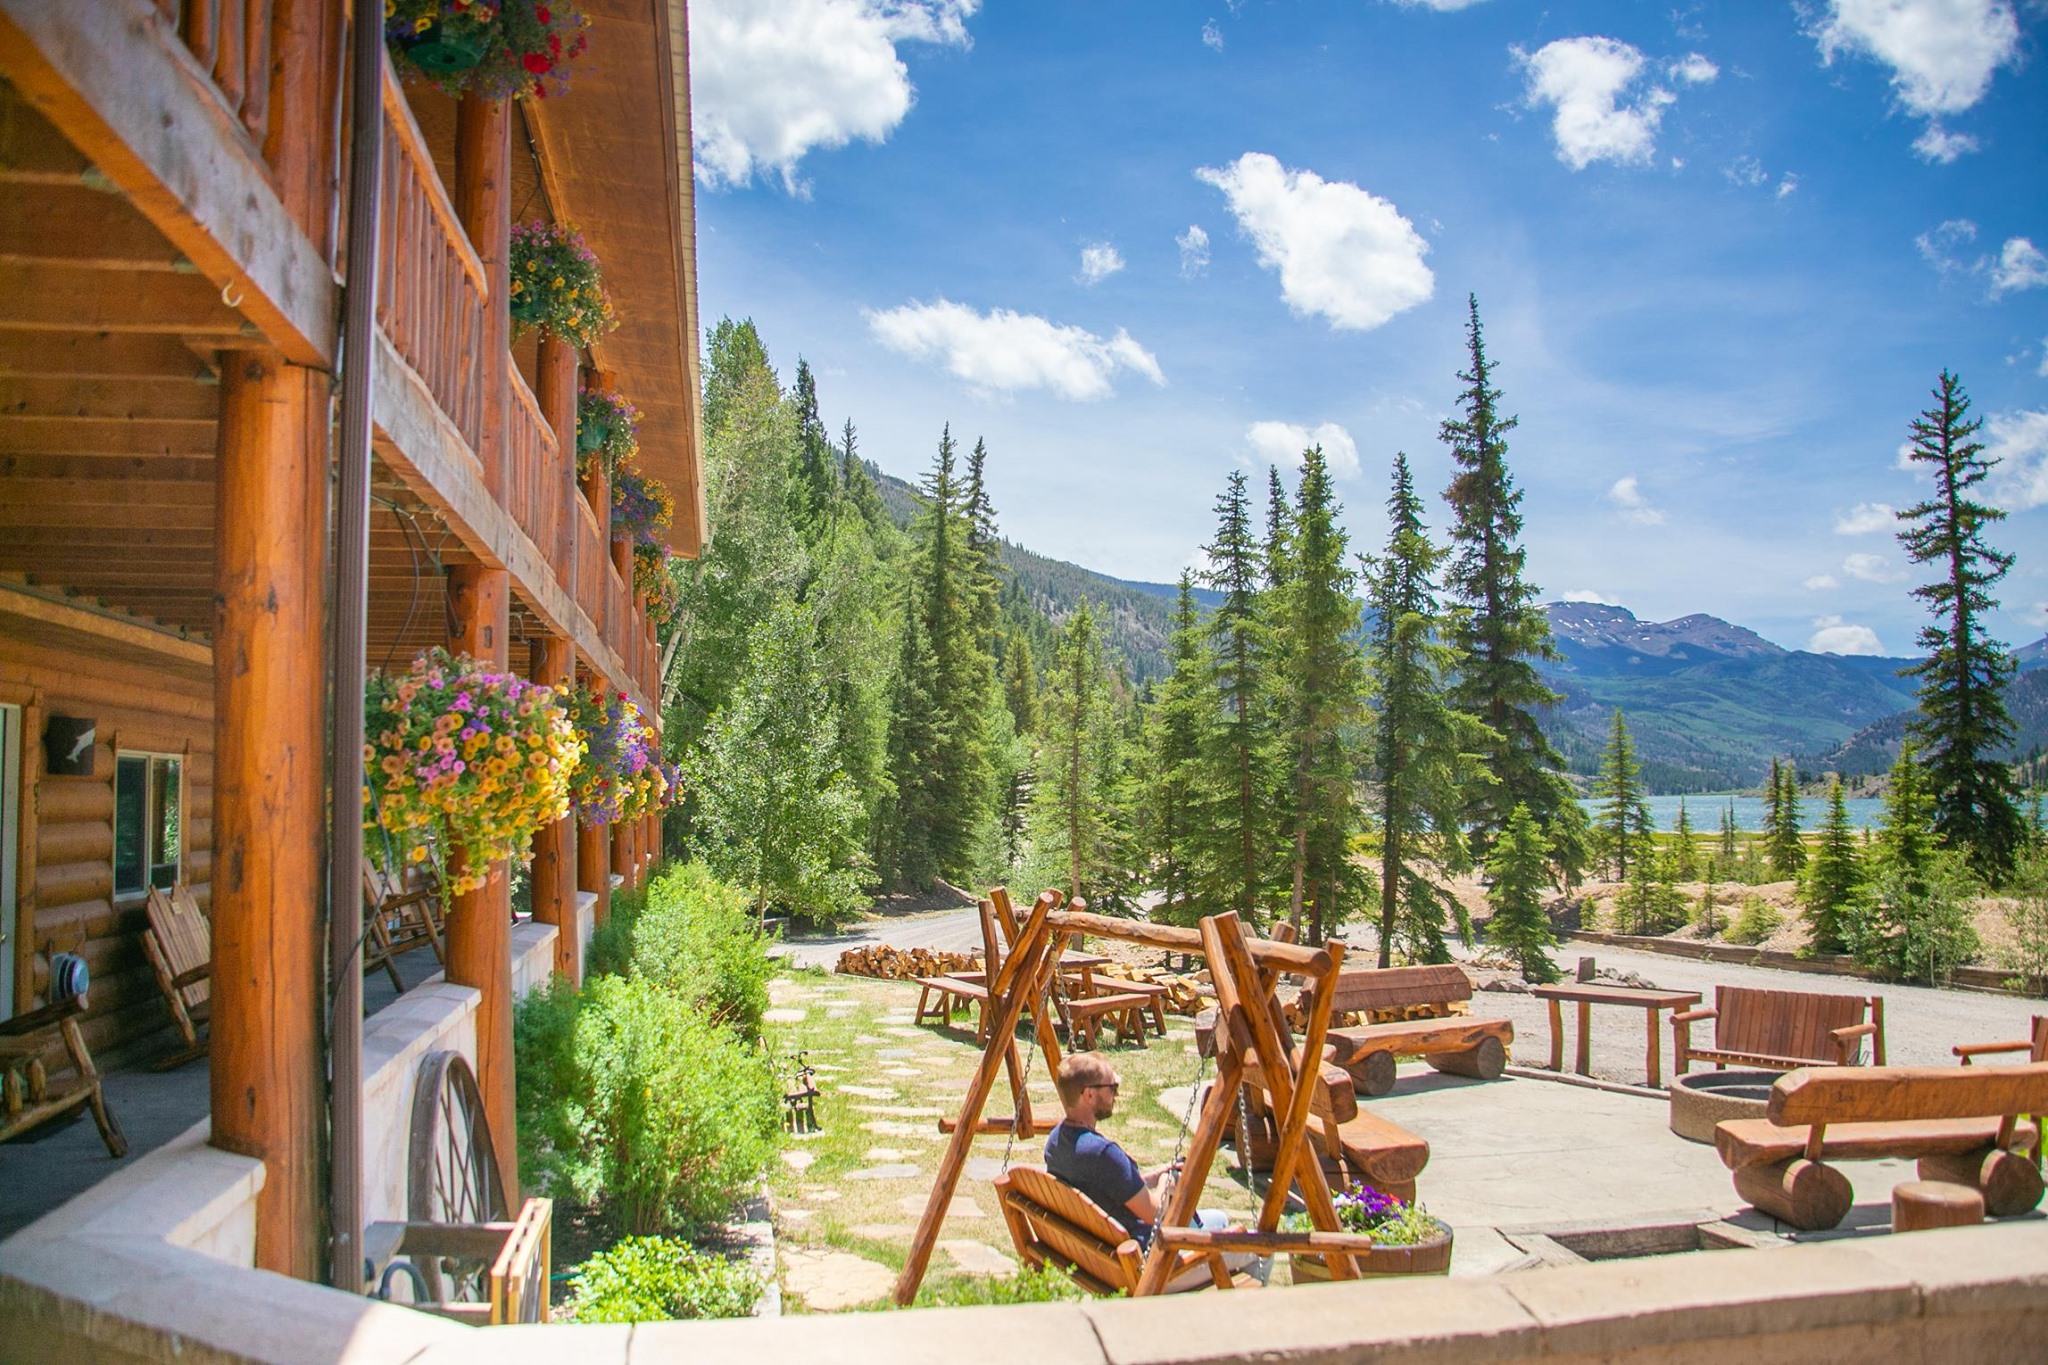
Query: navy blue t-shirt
(1100, 1169)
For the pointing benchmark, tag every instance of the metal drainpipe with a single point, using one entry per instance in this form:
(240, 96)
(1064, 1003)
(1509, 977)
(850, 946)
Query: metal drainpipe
(351, 630)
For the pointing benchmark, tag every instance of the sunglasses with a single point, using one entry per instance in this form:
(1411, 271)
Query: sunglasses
(1111, 1085)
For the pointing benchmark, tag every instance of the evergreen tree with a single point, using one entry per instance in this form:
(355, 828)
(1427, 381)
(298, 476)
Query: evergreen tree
(861, 492)
(1833, 878)
(813, 484)
(1915, 922)
(1233, 846)
(1685, 863)
(1179, 717)
(1624, 824)
(1782, 842)
(984, 549)
(1020, 684)
(1422, 748)
(1068, 806)
(906, 850)
(1570, 836)
(1962, 722)
(1727, 845)
(1279, 530)
(1708, 917)
(1320, 686)
(1519, 925)
(1501, 629)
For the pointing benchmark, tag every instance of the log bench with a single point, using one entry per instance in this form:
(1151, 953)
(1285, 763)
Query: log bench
(1357, 1146)
(1962, 1126)
(1458, 1044)
(938, 997)
(1780, 1030)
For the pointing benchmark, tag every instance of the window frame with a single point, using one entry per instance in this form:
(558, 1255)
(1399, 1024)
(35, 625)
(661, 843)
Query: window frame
(152, 823)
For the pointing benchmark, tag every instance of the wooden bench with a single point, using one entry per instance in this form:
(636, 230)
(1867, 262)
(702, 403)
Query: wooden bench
(31, 1099)
(1961, 1125)
(1780, 1030)
(1358, 1146)
(938, 997)
(1458, 1044)
(178, 941)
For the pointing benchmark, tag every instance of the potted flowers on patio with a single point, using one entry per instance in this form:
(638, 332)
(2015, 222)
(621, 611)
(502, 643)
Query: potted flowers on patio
(607, 431)
(496, 48)
(1408, 1240)
(623, 775)
(557, 284)
(463, 765)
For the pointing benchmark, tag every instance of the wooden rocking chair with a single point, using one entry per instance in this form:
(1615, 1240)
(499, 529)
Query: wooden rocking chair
(178, 941)
(398, 916)
(31, 1099)
(1054, 1224)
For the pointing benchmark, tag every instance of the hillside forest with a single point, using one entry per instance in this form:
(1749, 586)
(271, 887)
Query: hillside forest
(868, 689)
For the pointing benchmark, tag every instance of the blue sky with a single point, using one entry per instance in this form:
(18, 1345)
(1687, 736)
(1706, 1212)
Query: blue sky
(1721, 253)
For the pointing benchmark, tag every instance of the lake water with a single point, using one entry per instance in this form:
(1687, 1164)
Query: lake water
(1703, 810)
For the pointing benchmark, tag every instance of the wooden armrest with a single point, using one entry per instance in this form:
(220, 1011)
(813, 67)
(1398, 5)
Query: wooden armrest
(193, 977)
(1969, 1050)
(43, 1018)
(1695, 1015)
(1843, 1035)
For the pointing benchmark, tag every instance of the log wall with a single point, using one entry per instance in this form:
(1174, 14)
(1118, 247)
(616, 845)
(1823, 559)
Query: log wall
(66, 866)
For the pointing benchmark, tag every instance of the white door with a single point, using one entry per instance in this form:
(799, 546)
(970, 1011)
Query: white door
(10, 841)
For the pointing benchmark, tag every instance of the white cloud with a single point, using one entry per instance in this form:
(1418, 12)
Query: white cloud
(1866, 517)
(1746, 171)
(2016, 447)
(1099, 260)
(1212, 36)
(1627, 495)
(770, 83)
(1942, 53)
(2021, 265)
(1282, 443)
(1005, 352)
(1694, 69)
(1834, 636)
(1822, 582)
(1340, 251)
(2036, 615)
(1789, 185)
(1871, 568)
(1938, 246)
(1440, 6)
(1591, 595)
(1938, 145)
(1194, 251)
(1586, 81)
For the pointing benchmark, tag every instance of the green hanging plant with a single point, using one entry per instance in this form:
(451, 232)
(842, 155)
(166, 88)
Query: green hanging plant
(499, 49)
(557, 284)
(607, 431)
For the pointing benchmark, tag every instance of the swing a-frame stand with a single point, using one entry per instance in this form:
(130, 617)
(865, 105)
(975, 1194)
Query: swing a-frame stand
(1250, 1030)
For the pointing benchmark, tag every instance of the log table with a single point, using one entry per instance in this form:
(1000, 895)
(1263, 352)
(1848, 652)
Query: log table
(1587, 996)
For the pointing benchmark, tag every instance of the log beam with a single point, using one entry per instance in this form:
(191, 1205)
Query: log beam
(554, 846)
(480, 921)
(270, 798)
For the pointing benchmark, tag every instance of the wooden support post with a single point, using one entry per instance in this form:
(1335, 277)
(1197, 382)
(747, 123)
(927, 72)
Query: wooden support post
(480, 921)
(556, 366)
(483, 201)
(1585, 1060)
(270, 797)
(622, 854)
(554, 846)
(300, 144)
(593, 866)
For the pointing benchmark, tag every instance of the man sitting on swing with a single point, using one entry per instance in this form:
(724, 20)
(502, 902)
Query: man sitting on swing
(1077, 1155)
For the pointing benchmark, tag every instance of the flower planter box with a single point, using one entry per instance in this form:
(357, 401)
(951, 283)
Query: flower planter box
(1424, 1258)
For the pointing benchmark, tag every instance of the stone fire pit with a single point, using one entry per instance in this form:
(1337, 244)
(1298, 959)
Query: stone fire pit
(1701, 1099)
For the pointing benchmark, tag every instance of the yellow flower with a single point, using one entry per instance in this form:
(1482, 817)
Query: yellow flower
(422, 24)
(559, 281)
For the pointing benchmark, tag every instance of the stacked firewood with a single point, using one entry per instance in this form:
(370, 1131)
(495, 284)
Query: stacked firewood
(1184, 992)
(904, 964)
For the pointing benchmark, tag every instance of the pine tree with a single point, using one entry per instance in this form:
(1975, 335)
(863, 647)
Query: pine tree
(1727, 845)
(1833, 878)
(1519, 925)
(1320, 685)
(1069, 804)
(1570, 836)
(1962, 722)
(813, 482)
(1782, 842)
(1020, 684)
(861, 492)
(905, 850)
(1502, 630)
(984, 549)
(1708, 917)
(1624, 823)
(1421, 756)
(1178, 719)
(1235, 843)
(1915, 921)
(1685, 863)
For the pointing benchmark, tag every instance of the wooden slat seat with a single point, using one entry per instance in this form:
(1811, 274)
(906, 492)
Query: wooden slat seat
(1125, 1009)
(1961, 1125)
(28, 1097)
(1778, 1030)
(939, 996)
(178, 941)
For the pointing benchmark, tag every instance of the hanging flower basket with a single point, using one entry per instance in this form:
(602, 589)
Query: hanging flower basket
(622, 776)
(499, 49)
(607, 427)
(1410, 1240)
(557, 285)
(652, 580)
(464, 761)
(642, 508)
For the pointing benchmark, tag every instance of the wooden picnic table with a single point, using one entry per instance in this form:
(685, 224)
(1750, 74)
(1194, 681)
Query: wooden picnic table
(1587, 996)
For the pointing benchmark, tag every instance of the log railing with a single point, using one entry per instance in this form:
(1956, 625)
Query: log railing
(231, 40)
(432, 293)
(534, 478)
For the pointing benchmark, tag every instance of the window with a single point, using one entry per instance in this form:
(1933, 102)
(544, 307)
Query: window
(148, 798)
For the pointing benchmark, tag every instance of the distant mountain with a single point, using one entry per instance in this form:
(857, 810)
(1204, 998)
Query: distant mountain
(1874, 748)
(1708, 703)
(1204, 597)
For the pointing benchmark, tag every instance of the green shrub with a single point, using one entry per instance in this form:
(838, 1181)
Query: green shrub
(545, 1067)
(698, 937)
(2027, 913)
(1044, 1285)
(680, 1117)
(1756, 921)
(610, 951)
(1916, 922)
(655, 1279)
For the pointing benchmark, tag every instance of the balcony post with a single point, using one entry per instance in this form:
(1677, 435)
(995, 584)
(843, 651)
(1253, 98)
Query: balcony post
(480, 921)
(593, 867)
(554, 846)
(483, 201)
(270, 798)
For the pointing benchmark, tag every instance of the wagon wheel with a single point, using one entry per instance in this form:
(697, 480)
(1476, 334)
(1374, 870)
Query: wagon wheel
(453, 1172)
